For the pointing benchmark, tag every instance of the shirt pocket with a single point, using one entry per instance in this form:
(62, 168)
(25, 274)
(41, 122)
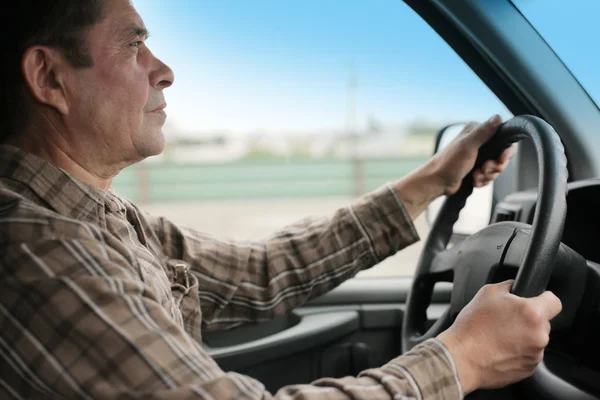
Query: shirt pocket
(184, 287)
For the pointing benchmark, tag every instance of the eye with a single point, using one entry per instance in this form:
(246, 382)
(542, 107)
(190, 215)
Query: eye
(137, 44)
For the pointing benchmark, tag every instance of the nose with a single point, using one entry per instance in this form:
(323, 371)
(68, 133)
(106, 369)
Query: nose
(162, 75)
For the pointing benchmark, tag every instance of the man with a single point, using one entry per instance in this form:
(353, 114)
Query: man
(99, 300)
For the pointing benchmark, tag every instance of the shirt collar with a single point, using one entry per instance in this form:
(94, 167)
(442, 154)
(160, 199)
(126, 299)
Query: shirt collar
(63, 192)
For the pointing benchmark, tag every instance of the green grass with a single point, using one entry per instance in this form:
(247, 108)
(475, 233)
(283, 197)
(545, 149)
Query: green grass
(261, 178)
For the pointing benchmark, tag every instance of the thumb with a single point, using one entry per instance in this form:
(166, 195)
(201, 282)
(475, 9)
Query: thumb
(549, 303)
(504, 286)
(485, 131)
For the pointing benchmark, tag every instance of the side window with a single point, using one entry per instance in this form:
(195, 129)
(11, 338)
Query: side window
(286, 109)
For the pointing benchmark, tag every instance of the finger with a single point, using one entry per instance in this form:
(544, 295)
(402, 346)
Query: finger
(467, 130)
(471, 125)
(491, 167)
(483, 183)
(480, 184)
(494, 166)
(549, 303)
(490, 177)
(504, 286)
(485, 131)
(480, 175)
(483, 180)
(508, 154)
(500, 288)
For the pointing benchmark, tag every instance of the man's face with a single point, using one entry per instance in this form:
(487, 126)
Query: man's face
(116, 106)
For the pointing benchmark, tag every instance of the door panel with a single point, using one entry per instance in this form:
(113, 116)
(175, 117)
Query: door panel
(311, 330)
(354, 327)
(388, 290)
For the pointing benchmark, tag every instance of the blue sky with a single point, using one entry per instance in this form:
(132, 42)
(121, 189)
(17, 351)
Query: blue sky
(572, 30)
(284, 66)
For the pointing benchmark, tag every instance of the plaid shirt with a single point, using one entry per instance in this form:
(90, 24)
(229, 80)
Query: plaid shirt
(100, 301)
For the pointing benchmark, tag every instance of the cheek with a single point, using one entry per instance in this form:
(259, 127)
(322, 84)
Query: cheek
(126, 81)
(127, 91)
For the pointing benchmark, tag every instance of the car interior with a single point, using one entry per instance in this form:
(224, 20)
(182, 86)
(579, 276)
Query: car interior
(541, 232)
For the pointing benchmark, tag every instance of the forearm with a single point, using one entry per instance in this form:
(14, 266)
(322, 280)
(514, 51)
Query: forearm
(419, 188)
(309, 258)
(427, 372)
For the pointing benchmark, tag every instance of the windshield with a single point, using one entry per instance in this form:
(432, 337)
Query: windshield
(571, 28)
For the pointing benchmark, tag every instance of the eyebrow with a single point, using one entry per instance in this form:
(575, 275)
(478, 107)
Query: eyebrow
(136, 31)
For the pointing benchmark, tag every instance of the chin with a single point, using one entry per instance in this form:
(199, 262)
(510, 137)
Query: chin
(152, 145)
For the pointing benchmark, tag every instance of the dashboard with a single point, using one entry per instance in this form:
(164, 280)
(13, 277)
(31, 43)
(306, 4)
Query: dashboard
(573, 353)
(582, 225)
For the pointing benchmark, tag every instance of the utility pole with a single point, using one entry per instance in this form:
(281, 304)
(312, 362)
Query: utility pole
(351, 103)
(352, 133)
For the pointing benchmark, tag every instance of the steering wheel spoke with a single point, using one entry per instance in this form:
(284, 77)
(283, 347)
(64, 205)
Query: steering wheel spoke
(444, 263)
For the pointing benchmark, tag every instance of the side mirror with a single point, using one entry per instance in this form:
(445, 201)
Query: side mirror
(477, 212)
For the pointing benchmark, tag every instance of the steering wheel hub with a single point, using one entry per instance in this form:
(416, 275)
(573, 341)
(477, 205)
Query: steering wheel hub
(475, 262)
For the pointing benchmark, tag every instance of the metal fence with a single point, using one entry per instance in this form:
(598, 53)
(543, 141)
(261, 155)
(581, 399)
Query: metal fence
(149, 182)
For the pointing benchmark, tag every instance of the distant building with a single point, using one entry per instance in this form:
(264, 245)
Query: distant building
(225, 147)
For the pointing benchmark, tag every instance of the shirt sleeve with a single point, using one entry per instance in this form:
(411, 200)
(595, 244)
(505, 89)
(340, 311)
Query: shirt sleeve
(255, 281)
(77, 322)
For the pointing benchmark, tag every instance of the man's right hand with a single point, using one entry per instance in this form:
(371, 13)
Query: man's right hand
(499, 338)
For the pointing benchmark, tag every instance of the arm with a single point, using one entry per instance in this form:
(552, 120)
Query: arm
(78, 323)
(248, 282)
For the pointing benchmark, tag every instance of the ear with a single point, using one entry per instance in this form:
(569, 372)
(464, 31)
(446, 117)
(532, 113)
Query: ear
(44, 71)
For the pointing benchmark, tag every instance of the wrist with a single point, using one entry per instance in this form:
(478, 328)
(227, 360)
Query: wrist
(427, 180)
(467, 373)
(435, 172)
(419, 188)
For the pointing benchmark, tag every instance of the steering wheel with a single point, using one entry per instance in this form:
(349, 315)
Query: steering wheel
(479, 259)
(472, 263)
